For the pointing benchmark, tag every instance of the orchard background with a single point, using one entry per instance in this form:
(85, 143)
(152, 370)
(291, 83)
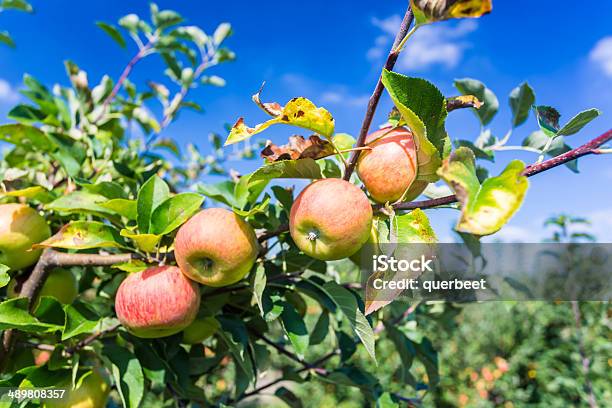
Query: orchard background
(104, 159)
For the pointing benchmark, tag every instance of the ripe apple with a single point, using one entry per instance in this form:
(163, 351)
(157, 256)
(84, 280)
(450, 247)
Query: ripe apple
(390, 168)
(200, 330)
(20, 228)
(92, 393)
(60, 283)
(330, 219)
(157, 302)
(216, 247)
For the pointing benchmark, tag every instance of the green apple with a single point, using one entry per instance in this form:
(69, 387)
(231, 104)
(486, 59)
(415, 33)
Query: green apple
(60, 283)
(92, 393)
(200, 330)
(20, 228)
(330, 219)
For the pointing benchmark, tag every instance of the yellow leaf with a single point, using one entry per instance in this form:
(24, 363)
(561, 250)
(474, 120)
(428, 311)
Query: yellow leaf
(144, 242)
(299, 112)
(429, 11)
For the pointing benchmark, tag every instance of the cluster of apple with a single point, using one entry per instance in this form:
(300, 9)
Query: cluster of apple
(330, 219)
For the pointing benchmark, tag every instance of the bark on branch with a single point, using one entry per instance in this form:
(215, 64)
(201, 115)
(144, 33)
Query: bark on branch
(373, 102)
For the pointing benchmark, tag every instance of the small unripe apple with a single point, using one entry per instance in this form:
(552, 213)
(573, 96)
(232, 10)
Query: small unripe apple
(390, 168)
(92, 393)
(60, 283)
(216, 247)
(330, 219)
(20, 228)
(157, 302)
(200, 330)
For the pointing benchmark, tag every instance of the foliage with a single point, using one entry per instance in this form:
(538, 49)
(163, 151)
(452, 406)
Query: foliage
(75, 158)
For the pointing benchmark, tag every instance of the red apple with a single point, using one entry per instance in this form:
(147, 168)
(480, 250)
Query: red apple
(216, 247)
(157, 302)
(390, 168)
(20, 228)
(330, 219)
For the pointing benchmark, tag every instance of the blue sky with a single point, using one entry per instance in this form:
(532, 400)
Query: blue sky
(332, 51)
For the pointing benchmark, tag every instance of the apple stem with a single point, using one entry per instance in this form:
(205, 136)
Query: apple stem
(313, 235)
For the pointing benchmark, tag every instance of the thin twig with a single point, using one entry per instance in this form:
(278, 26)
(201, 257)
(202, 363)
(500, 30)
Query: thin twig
(31, 287)
(373, 102)
(90, 339)
(590, 147)
(142, 52)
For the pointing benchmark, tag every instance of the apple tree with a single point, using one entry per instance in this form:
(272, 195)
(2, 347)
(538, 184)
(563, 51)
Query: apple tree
(127, 275)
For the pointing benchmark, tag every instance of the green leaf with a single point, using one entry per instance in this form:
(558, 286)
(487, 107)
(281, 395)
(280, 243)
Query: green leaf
(522, 99)
(412, 228)
(259, 284)
(20, 5)
(539, 139)
(321, 329)
(288, 397)
(80, 319)
(406, 350)
(27, 137)
(429, 357)
(130, 22)
(386, 401)
(295, 329)
(123, 207)
(144, 242)
(166, 18)
(578, 122)
(85, 235)
(490, 103)
(173, 212)
(487, 207)
(345, 300)
(299, 112)
(484, 154)
(6, 39)
(152, 193)
(548, 119)
(302, 169)
(108, 189)
(429, 11)
(4, 275)
(423, 107)
(223, 31)
(222, 192)
(113, 32)
(14, 315)
(234, 334)
(80, 202)
(127, 373)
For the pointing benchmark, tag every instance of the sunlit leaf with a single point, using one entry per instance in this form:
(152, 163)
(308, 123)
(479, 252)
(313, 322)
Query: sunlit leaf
(298, 112)
(144, 242)
(152, 193)
(173, 212)
(112, 31)
(429, 11)
(578, 122)
(490, 103)
(521, 99)
(487, 207)
(85, 235)
(423, 107)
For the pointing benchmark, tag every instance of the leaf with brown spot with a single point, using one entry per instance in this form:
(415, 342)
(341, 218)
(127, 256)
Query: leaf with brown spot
(84, 235)
(298, 148)
(462, 101)
(299, 112)
(429, 11)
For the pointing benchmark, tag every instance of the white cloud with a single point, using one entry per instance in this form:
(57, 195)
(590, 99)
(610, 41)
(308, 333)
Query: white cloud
(441, 44)
(601, 55)
(342, 97)
(7, 93)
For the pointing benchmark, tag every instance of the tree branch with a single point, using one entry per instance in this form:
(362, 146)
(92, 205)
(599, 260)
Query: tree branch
(90, 339)
(124, 75)
(373, 102)
(590, 147)
(31, 287)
